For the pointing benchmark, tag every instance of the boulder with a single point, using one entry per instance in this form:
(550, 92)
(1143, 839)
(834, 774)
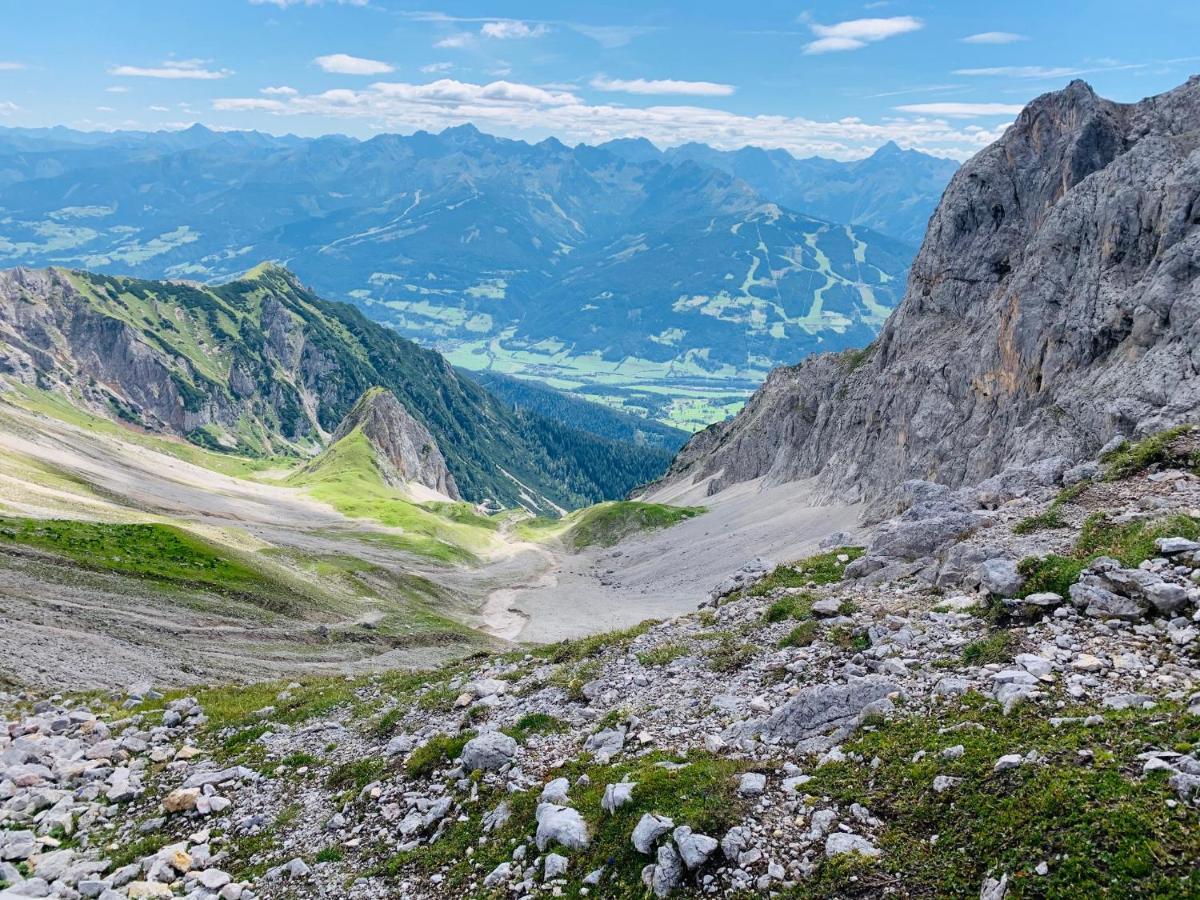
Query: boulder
(831, 711)
(648, 830)
(560, 825)
(694, 849)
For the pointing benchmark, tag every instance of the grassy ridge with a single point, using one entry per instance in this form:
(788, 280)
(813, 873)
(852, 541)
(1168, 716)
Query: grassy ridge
(347, 477)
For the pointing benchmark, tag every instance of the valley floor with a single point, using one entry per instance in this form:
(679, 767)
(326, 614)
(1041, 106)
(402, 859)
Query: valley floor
(337, 594)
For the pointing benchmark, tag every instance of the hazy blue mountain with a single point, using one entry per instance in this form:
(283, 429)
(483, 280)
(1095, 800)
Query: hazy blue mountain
(667, 283)
(582, 415)
(893, 190)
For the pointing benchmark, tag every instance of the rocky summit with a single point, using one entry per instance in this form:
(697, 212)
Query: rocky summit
(1053, 307)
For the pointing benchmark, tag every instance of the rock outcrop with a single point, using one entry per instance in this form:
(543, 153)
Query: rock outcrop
(405, 451)
(1054, 305)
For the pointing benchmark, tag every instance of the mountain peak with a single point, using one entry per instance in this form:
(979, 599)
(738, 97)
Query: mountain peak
(403, 450)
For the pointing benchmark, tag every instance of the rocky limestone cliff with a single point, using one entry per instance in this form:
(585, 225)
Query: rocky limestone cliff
(405, 451)
(1055, 304)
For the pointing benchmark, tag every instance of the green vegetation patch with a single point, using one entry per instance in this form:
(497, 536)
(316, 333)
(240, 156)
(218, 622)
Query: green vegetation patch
(607, 524)
(800, 636)
(347, 477)
(536, 723)
(1102, 828)
(439, 750)
(1174, 447)
(824, 568)
(662, 654)
(594, 645)
(152, 551)
(790, 606)
(1131, 544)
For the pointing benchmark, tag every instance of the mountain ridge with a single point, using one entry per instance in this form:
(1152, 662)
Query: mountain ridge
(262, 366)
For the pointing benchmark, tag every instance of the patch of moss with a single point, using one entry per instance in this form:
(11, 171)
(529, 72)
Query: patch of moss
(823, 568)
(662, 654)
(800, 636)
(997, 647)
(730, 654)
(439, 750)
(1173, 447)
(535, 723)
(789, 606)
(1103, 829)
(1131, 543)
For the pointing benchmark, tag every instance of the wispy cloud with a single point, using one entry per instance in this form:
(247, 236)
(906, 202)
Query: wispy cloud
(173, 69)
(345, 64)
(535, 111)
(7, 108)
(284, 4)
(962, 110)
(117, 89)
(281, 91)
(608, 36)
(433, 68)
(512, 29)
(159, 108)
(11, 66)
(855, 34)
(919, 89)
(455, 41)
(994, 37)
(663, 86)
(1045, 72)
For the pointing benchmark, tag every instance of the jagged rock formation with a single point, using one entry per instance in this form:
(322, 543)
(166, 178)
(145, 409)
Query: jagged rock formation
(405, 451)
(1055, 304)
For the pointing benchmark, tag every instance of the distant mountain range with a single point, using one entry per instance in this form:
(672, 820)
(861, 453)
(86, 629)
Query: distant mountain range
(666, 282)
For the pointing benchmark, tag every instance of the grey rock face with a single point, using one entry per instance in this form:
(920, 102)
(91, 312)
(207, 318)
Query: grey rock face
(489, 752)
(828, 709)
(1053, 305)
(1000, 577)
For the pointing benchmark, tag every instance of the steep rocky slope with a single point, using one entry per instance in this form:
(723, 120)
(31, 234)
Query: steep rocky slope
(802, 735)
(262, 366)
(1055, 304)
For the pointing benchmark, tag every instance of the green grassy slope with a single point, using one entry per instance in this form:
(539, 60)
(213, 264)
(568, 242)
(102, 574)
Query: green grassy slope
(263, 363)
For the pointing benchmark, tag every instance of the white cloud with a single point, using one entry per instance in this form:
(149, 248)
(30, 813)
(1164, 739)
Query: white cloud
(344, 64)
(7, 107)
(857, 33)
(10, 66)
(610, 36)
(281, 91)
(527, 110)
(437, 67)
(159, 108)
(117, 89)
(962, 110)
(455, 41)
(664, 86)
(994, 37)
(105, 109)
(510, 29)
(173, 69)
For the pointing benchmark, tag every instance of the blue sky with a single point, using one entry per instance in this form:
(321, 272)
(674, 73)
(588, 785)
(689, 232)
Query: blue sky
(829, 78)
